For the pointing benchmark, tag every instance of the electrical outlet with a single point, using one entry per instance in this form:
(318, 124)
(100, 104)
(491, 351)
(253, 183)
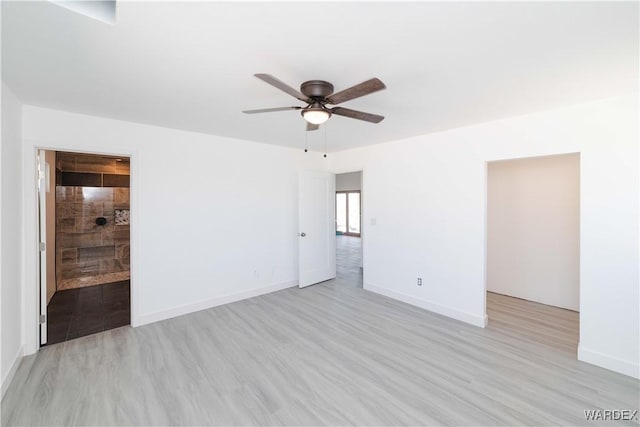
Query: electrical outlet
(419, 281)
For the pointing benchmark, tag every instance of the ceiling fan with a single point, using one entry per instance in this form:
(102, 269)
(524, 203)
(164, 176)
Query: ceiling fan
(317, 94)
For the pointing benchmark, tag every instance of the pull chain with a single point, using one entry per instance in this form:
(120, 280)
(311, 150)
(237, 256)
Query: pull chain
(305, 140)
(325, 140)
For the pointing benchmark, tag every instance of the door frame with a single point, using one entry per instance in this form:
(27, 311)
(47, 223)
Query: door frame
(486, 231)
(42, 190)
(363, 211)
(347, 233)
(30, 251)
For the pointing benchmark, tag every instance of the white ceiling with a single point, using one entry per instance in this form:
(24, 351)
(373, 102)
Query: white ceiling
(190, 65)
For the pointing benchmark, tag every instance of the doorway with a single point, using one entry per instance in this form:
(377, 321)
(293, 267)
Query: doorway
(348, 215)
(84, 208)
(349, 228)
(533, 207)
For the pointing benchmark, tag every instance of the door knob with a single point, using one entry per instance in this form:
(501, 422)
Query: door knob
(303, 234)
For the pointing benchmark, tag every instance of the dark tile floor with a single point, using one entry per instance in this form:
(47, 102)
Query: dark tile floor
(74, 313)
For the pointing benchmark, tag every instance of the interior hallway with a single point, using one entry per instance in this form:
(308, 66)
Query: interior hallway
(328, 354)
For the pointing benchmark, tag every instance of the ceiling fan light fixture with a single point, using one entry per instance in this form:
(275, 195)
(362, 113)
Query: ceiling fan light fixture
(316, 115)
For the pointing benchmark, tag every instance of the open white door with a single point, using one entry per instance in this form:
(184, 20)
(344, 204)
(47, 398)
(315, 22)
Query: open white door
(317, 227)
(42, 236)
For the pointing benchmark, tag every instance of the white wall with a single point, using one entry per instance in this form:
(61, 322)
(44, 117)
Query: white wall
(533, 229)
(349, 181)
(223, 212)
(213, 219)
(435, 228)
(11, 236)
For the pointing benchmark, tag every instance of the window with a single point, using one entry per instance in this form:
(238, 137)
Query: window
(348, 212)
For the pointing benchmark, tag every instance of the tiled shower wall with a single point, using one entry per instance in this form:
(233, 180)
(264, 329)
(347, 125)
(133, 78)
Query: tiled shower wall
(87, 253)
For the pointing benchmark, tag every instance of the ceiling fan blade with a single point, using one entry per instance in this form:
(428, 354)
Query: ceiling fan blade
(270, 110)
(282, 86)
(311, 126)
(362, 89)
(355, 114)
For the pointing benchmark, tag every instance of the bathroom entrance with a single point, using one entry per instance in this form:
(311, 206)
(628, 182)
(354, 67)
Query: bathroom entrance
(85, 249)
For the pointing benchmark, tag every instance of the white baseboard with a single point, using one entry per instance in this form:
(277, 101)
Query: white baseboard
(608, 362)
(6, 381)
(480, 321)
(203, 305)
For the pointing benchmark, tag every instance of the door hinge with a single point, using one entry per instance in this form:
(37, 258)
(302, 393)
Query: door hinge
(43, 246)
(43, 318)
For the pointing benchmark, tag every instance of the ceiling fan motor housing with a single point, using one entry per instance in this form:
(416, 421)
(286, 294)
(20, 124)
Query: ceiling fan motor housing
(316, 89)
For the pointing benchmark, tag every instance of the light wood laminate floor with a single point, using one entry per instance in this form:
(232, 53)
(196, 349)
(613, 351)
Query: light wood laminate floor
(349, 260)
(329, 354)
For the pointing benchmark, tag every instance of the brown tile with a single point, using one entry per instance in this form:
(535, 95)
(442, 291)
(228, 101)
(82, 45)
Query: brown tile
(88, 163)
(107, 266)
(82, 269)
(122, 250)
(69, 256)
(92, 209)
(65, 194)
(108, 229)
(58, 266)
(107, 209)
(66, 162)
(110, 180)
(80, 240)
(65, 225)
(121, 196)
(116, 319)
(82, 179)
(97, 252)
(84, 324)
(113, 265)
(87, 224)
(123, 167)
(58, 259)
(97, 279)
(94, 194)
(84, 309)
(68, 209)
(120, 236)
(107, 235)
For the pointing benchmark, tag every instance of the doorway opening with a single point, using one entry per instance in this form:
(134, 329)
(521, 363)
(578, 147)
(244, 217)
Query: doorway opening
(533, 249)
(348, 209)
(84, 211)
(349, 227)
